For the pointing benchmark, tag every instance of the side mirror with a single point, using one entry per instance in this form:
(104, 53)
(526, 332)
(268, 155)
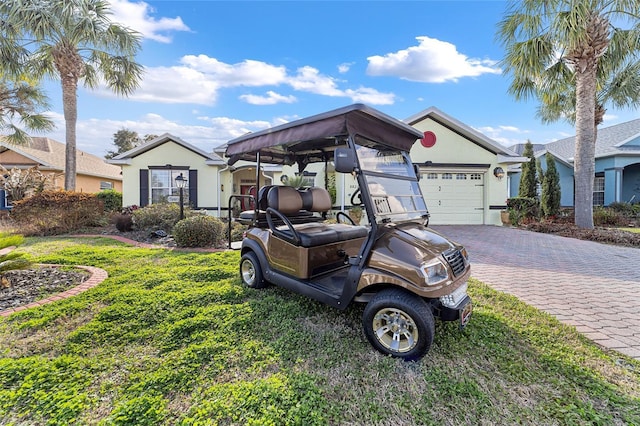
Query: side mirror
(345, 160)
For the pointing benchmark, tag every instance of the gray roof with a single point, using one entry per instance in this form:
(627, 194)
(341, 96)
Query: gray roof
(610, 141)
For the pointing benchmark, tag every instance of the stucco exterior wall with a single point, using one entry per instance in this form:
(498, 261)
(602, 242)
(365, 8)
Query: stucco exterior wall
(452, 150)
(177, 157)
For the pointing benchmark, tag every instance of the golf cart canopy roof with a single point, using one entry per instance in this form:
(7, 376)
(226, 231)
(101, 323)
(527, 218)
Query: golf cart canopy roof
(315, 138)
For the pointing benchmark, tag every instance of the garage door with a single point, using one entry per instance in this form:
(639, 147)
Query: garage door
(454, 197)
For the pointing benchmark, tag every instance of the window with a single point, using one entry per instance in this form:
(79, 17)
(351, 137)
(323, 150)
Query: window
(432, 176)
(461, 176)
(447, 176)
(163, 186)
(598, 191)
(476, 176)
(105, 185)
(309, 179)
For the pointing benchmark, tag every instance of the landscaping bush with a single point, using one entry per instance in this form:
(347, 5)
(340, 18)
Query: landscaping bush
(123, 222)
(523, 209)
(57, 212)
(157, 216)
(199, 231)
(111, 200)
(237, 230)
(627, 209)
(604, 216)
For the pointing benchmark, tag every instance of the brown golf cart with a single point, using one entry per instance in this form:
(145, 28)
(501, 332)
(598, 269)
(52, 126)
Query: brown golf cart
(406, 273)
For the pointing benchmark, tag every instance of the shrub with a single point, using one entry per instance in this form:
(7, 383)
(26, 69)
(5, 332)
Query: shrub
(528, 181)
(603, 216)
(198, 231)
(237, 230)
(157, 216)
(522, 208)
(123, 222)
(550, 188)
(626, 209)
(111, 199)
(57, 212)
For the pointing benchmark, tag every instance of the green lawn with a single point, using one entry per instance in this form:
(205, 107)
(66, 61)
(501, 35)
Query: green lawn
(173, 338)
(634, 230)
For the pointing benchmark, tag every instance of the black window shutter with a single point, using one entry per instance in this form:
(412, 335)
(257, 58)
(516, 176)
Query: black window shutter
(193, 188)
(144, 187)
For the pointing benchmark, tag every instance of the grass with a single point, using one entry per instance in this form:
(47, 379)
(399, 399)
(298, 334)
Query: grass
(634, 230)
(173, 338)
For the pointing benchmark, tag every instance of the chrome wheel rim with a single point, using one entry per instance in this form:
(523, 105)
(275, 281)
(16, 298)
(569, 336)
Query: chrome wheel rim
(395, 330)
(248, 272)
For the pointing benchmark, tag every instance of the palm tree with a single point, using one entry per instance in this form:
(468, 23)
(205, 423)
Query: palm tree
(70, 40)
(563, 52)
(20, 101)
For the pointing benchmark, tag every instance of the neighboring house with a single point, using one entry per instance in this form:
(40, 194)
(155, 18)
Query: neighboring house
(150, 171)
(463, 171)
(617, 165)
(93, 173)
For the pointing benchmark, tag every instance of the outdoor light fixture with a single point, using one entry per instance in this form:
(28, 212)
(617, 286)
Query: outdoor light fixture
(181, 183)
(498, 172)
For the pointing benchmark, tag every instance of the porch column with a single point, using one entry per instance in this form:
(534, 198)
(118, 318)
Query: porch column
(612, 185)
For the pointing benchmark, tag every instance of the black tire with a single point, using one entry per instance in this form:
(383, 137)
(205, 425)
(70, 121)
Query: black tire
(399, 324)
(251, 271)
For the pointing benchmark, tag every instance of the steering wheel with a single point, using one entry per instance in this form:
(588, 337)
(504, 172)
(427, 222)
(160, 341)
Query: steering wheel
(357, 194)
(346, 216)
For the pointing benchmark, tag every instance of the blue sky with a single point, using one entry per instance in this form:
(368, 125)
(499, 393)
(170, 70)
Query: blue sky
(215, 70)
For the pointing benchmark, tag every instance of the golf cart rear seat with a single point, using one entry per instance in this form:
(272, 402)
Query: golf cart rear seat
(246, 217)
(285, 201)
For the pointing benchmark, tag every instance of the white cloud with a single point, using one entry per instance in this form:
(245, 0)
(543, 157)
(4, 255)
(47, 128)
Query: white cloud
(370, 96)
(136, 15)
(345, 67)
(95, 136)
(432, 61)
(271, 98)
(245, 73)
(199, 79)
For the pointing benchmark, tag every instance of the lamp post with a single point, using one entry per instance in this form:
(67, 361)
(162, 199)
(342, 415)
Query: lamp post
(181, 183)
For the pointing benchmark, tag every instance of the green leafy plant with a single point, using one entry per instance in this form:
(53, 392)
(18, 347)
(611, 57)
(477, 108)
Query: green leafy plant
(522, 209)
(12, 260)
(550, 201)
(198, 231)
(158, 216)
(111, 200)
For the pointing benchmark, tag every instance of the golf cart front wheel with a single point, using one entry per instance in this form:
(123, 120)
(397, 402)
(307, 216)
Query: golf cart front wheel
(399, 324)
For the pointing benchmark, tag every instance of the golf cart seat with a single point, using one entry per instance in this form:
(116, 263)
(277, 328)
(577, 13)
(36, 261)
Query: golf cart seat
(246, 217)
(285, 201)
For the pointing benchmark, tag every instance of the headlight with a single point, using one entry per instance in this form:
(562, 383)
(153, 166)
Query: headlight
(464, 253)
(434, 272)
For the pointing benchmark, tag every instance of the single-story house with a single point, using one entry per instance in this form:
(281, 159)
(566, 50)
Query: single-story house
(93, 174)
(463, 173)
(617, 165)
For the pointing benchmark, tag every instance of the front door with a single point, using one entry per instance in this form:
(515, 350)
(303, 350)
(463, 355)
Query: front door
(247, 203)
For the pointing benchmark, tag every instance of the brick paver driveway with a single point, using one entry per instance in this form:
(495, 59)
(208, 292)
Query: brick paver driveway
(592, 286)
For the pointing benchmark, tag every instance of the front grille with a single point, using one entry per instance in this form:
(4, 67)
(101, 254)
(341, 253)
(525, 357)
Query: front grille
(455, 259)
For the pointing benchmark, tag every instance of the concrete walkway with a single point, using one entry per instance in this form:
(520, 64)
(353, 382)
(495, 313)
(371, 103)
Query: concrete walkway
(594, 287)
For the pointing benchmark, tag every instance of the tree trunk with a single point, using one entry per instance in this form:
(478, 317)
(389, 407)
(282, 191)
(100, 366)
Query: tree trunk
(584, 159)
(70, 105)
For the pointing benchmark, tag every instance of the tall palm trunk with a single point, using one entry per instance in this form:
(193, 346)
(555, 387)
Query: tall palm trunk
(584, 161)
(70, 106)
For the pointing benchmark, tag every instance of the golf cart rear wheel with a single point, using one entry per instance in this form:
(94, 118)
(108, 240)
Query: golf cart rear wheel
(399, 324)
(251, 271)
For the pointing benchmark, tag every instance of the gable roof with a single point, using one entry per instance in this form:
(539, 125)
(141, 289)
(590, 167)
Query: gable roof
(505, 155)
(125, 158)
(49, 154)
(612, 140)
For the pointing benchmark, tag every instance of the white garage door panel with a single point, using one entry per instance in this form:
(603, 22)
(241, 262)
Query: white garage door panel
(454, 197)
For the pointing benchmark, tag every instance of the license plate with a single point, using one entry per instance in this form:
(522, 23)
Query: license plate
(465, 314)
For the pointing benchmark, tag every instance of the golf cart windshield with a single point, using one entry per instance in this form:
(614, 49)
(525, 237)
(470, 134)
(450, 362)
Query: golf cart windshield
(391, 182)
